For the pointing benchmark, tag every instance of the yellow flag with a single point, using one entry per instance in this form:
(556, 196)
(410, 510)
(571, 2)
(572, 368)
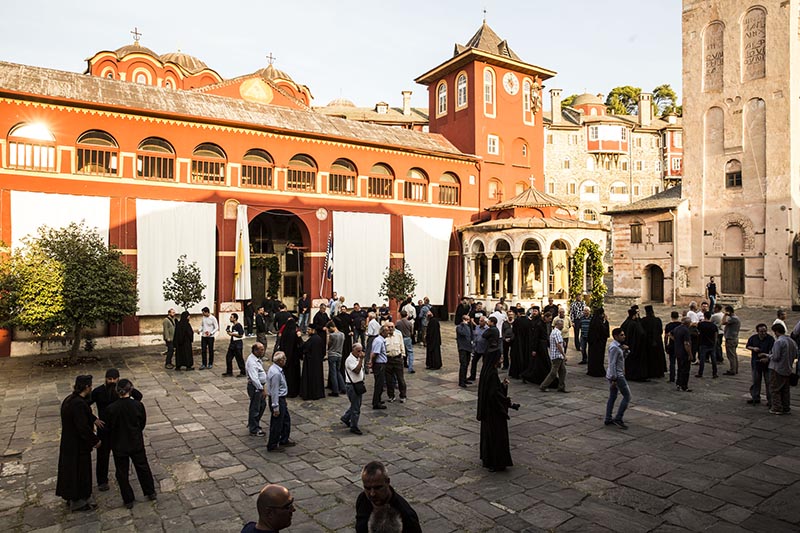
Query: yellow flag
(237, 269)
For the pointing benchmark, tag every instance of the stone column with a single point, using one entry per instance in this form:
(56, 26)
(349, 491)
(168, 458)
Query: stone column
(517, 283)
(545, 273)
(468, 274)
(489, 280)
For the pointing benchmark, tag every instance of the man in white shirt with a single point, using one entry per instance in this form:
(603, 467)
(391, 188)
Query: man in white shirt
(781, 319)
(354, 368)
(208, 332)
(256, 389)
(395, 351)
(557, 370)
(373, 330)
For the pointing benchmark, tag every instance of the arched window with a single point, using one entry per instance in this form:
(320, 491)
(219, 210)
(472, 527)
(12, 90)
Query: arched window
(572, 188)
(97, 154)
(589, 215)
(257, 169)
(449, 189)
(415, 188)
(565, 163)
(733, 173)
(342, 177)
(32, 147)
(488, 91)
(527, 107)
(208, 164)
(141, 76)
(461, 91)
(155, 160)
(302, 174)
(381, 182)
(618, 191)
(441, 98)
(495, 189)
(589, 191)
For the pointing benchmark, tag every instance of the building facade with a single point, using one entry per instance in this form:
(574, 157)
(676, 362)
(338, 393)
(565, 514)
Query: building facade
(742, 186)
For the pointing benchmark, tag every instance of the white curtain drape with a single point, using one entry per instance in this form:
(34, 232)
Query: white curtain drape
(31, 210)
(242, 278)
(560, 270)
(165, 231)
(361, 246)
(426, 248)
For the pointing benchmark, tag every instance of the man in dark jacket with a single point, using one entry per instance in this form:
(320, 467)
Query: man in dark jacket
(74, 482)
(464, 343)
(103, 396)
(377, 494)
(125, 426)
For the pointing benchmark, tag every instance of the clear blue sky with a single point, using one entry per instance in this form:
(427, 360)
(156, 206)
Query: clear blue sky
(367, 51)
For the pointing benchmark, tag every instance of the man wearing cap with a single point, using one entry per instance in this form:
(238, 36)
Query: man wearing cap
(126, 421)
(103, 396)
(74, 482)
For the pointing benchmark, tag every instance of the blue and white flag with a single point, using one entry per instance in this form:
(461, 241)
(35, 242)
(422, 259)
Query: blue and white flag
(328, 270)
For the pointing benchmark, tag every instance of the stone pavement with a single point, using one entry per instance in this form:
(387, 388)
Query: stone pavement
(690, 461)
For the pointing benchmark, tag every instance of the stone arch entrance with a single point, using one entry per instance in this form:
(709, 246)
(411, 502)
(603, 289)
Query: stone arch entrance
(558, 270)
(531, 270)
(653, 284)
(281, 236)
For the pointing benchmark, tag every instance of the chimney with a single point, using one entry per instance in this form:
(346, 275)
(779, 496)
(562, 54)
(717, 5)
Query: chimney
(645, 109)
(406, 103)
(672, 118)
(555, 106)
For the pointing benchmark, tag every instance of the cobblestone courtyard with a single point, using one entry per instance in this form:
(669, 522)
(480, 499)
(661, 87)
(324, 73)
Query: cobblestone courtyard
(695, 461)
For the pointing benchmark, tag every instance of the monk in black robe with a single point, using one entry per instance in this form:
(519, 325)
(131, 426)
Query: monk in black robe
(653, 343)
(433, 344)
(493, 404)
(636, 362)
(289, 344)
(344, 324)
(312, 380)
(539, 366)
(184, 336)
(598, 336)
(75, 452)
(522, 346)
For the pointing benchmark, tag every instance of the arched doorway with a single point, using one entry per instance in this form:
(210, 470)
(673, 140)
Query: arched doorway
(558, 270)
(654, 284)
(277, 243)
(479, 268)
(531, 270)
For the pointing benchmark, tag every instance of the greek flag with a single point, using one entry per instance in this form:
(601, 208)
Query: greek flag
(328, 268)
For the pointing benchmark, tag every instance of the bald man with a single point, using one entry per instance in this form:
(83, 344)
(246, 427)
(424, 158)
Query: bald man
(275, 508)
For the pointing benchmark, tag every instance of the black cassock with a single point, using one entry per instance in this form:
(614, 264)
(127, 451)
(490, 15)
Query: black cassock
(183, 344)
(636, 362)
(539, 366)
(493, 404)
(343, 323)
(75, 453)
(289, 344)
(598, 336)
(521, 346)
(312, 380)
(654, 346)
(433, 345)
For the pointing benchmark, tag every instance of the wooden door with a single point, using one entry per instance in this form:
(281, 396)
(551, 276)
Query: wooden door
(656, 284)
(732, 276)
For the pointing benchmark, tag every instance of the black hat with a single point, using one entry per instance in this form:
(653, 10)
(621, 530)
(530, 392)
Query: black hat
(112, 373)
(648, 308)
(81, 382)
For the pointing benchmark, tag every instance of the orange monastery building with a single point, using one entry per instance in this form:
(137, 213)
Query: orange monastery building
(166, 158)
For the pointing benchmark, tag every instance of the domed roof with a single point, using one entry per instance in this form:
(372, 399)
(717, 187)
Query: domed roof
(189, 63)
(134, 48)
(271, 73)
(587, 99)
(341, 102)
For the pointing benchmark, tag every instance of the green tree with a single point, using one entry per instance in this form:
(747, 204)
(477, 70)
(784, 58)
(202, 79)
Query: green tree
(623, 100)
(567, 102)
(185, 286)
(64, 281)
(398, 283)
(666, 101)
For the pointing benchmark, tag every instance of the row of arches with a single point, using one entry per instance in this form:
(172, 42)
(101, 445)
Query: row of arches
(32, 147)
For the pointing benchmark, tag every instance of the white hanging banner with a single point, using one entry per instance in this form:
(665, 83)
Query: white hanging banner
(426, 248)
(242, 267)
(361, 246)
(31, 210)
(165, 231)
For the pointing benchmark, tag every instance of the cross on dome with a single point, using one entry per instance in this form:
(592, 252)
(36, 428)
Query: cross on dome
(136, 34)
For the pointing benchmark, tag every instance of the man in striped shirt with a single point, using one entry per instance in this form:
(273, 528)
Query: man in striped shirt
(557, 368)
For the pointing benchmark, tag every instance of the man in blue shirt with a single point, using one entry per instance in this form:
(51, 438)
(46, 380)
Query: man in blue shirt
(377, 365)
(280, 423)
(479, 349)
(615, 374)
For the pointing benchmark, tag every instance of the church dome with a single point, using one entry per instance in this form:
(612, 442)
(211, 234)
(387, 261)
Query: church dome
(189, 63)
(587, 99)
(134, 48)
(341, 102)
(271, 73)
